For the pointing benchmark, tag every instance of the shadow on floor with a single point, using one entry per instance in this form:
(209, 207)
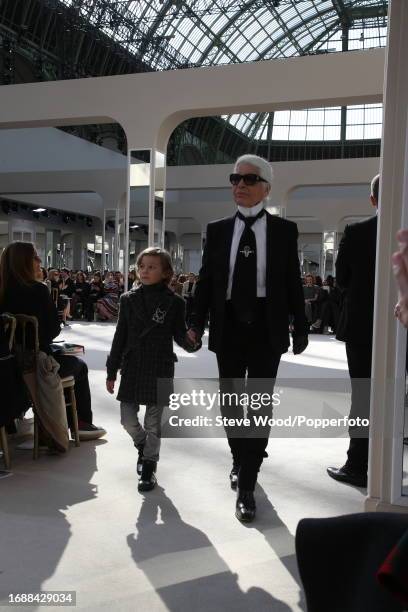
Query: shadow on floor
(183, 566)
(279, 538)
(35, 531)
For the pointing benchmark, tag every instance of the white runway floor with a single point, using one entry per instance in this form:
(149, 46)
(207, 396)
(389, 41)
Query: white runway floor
(78, 523)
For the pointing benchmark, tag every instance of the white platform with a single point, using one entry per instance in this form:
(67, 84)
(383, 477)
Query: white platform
(78, 523)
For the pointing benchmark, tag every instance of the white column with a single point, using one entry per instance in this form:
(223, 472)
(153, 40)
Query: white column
(103, 253)
(150, 237)
(77, 252)
(116, 243)
(124, 216)
(127, 225)
(388, 373)
(157, 187)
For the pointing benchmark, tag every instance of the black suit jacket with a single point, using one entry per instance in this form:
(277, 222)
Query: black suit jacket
(355, 275)
(284, 292)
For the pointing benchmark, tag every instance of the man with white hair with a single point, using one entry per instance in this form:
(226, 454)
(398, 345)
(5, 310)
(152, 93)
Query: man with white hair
(250, 284)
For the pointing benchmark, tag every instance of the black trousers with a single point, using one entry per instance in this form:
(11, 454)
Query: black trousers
(246, 351)
(359, 364)
(73, 366)
(89, 304)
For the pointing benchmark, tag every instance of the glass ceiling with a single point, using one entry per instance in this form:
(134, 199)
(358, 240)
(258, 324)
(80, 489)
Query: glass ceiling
(171, 34)
(168, 34)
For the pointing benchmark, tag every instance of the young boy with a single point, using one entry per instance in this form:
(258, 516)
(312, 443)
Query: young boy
(150, 317)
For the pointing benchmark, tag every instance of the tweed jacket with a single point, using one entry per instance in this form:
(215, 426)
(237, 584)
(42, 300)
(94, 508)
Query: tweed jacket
(146, 357)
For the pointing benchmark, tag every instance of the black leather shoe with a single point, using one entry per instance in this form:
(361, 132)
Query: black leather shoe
(245, 508)
(234, 476)
(147, 480)
(344, 474)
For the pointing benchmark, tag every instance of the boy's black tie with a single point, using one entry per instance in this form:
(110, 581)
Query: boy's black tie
(244, 282)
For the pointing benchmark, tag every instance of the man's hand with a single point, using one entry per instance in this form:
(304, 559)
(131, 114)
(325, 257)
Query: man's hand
(110, 386)
(194, 339)
(299, 344)
(400, 269)
(192, 336)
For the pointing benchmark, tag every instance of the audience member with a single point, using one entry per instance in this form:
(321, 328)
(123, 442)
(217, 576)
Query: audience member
(95, 293)
(187, 293)
(310, 294)
(120, 282)
(131, 279)
(328, 306)
(175, 285)
(61, 301)
(107, 306)
(21, 293)
(80, 296)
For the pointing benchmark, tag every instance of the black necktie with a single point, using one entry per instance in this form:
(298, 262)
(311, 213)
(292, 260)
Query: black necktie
(244, 282)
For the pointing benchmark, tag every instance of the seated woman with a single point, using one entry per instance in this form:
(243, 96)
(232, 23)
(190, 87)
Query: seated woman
(95, 293)
(21, 293)
(118, 276)
(108, 306)
(80, 295)
(131, 279)
(310, 293)
(54, 284)
(330, 310)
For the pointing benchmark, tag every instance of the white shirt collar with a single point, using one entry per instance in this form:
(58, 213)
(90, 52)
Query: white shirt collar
(254, 210)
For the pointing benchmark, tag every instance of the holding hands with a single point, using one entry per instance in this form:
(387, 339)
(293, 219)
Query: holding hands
(193, 340)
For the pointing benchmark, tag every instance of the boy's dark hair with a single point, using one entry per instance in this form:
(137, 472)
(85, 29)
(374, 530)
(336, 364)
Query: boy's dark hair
(165, 260)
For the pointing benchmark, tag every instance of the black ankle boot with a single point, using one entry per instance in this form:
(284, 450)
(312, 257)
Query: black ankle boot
(234, 476)
(139, 464)
(245, 506)
(147, 480)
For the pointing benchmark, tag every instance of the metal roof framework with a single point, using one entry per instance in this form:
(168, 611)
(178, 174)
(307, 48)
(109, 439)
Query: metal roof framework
(169, 34)
(78, 38)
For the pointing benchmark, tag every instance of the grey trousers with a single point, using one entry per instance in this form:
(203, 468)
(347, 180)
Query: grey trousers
(150, 434)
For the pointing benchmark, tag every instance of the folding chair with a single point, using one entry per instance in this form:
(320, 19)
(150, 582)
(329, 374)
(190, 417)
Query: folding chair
(9, 323)
(55, 296)
(29, 361)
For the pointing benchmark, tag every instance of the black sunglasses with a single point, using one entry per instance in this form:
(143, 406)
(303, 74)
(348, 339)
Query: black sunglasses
(249, 179)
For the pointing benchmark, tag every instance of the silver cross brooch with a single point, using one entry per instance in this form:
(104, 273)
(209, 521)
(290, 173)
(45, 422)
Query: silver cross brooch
(247, 251)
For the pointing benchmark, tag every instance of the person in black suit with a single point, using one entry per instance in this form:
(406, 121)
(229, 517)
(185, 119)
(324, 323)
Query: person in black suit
(250, 284)
(355, 276)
